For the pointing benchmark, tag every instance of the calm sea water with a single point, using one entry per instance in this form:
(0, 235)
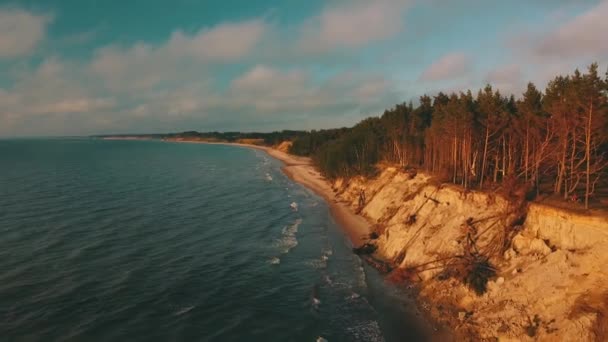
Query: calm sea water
(152, 241)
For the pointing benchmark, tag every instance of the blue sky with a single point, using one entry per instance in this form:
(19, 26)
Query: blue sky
(77, 67)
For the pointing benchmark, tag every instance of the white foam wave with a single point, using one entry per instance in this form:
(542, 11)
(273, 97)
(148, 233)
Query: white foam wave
(354, 296)
(366, 331)
(268, 177)
(317, 264)
(361, 278)
(340, 285)
(288, 239)
(327, 253)
(184, 310)
(274, 261)
(292, 229)
(321, 263)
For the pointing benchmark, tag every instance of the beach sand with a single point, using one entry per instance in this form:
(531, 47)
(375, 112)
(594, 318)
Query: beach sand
(301, 170)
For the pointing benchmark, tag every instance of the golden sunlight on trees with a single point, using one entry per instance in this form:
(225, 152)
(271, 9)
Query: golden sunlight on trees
(553, 142)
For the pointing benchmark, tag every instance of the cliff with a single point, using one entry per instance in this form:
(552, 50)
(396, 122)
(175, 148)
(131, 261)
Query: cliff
(488, 266)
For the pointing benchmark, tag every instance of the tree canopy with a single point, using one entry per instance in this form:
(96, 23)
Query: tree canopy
(556, 139)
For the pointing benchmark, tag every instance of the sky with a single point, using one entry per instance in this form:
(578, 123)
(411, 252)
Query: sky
(80, 67)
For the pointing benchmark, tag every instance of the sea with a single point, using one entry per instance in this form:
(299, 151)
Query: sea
(109, 240)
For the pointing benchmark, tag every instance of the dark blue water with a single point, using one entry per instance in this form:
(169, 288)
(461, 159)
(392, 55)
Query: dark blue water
(153, 241)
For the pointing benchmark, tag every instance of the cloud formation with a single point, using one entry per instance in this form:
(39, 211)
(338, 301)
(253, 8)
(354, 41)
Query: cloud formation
(172, 83)
(269, 90)
(224, 43)
(450, 66)
(20, 32)
(583, 35)
(507, 78)
(353, 24)
(144, 66)
(332, 64)
(51, 88)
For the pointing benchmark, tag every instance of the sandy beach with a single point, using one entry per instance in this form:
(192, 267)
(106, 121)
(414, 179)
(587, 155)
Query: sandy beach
(301, 170)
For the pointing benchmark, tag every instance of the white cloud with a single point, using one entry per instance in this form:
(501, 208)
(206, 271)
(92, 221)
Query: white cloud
(20, 32)
(54, 80)
(353, 24)
(137, 68)
(565, 38)
(506, 73)
(564, 43)
(183, 100)
(585, 35)
(43, 99)
(8, 99)
(225, 42)
(144, 66)
(168, 86)
(450, 66)
(73, 105)
(270, 90)
(508, 79)
(268, 81)
(374, 87)
(269, 93)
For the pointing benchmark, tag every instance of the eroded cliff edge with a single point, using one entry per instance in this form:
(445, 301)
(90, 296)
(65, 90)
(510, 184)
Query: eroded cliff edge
(545, 267)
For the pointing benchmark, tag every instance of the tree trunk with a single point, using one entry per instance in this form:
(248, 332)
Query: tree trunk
(496, 167)
(504, 157)
(454, 158)
(527, 148)
(562, 166)
(588, 156)
(485, 156)
(569, 189)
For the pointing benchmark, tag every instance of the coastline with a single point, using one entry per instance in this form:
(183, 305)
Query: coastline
(421, 224)
(301, 170)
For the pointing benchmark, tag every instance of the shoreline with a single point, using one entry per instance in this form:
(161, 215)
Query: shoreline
(552, 250)
(301, 171)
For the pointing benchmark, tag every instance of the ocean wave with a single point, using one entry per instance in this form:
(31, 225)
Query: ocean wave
(340, 285)
(165, 244)
(321, 263)
(317, 263)
(366, 331)
(353, 296)
(361, 277)
(184, 310)
(288, 239)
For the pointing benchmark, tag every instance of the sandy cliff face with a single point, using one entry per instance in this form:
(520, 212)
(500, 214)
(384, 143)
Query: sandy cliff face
(551, 279)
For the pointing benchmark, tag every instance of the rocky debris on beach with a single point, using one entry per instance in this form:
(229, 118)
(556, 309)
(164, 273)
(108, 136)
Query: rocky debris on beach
(548, 264)
(365, 249)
